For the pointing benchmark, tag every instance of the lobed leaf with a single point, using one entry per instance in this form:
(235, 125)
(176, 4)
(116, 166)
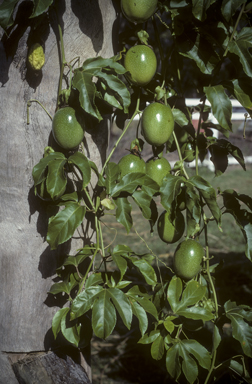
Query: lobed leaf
(62, 226)
(84, 301)
(38, 172)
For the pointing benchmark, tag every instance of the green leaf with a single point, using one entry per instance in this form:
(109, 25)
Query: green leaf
(103, 315)
(149, 186)
(56, 322)
(83, 165)
(172, 361)
(64, 286)
(209, 195)
(242, 91)
(148, 306)
(56, 180)
(170, 188)
(169, 324)
(194, 46)
(61, 227)
(199, 352)
(123, 212)
(242, 216)
(117, 87)
(83, 82)
(219, 151)
(101, 69)
(143, 201)
(40, 6)
(221, 105)
(193, 211)
(157, 348)
(38, 172)
(199, 8)
(148, 339)
(84, 301)
(216, 338)
(128, 183)
(229, 7)
(241, 331)
(183, 350)
(240, 47)
(120, 262)
(112, 172)
(140, 313)
(93, 280)
(70, 331)
(191, 295)
(122, 304)
(146, 270)
(6, 13)
(185, 306)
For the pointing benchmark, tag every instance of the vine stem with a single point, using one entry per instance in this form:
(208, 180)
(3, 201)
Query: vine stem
(212, 367)
(197, 135)
(63, 60)
(235, 28)
(123, 133)
(28, 109)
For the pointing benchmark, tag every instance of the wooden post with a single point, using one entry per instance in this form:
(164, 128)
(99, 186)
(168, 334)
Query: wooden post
(27, 265)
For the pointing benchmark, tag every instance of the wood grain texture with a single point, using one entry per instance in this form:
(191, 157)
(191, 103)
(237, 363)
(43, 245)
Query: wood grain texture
(27, 265)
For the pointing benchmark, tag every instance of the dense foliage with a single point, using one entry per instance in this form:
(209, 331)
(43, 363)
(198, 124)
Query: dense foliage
(203, 48)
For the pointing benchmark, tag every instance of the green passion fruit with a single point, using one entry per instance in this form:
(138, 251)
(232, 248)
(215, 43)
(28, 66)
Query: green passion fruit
(157, 124)
(157, 169)
(188, 152)
(170, 230)
(131, 164)
(188, 258)
(141, 62)
(138, 11)
(68, 128)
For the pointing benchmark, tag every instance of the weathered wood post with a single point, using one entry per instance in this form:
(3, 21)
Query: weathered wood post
(27, 265)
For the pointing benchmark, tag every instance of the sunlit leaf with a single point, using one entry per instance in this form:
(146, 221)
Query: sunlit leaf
(103, 315)
(56, 180)
(122, 304)
(61, 227)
